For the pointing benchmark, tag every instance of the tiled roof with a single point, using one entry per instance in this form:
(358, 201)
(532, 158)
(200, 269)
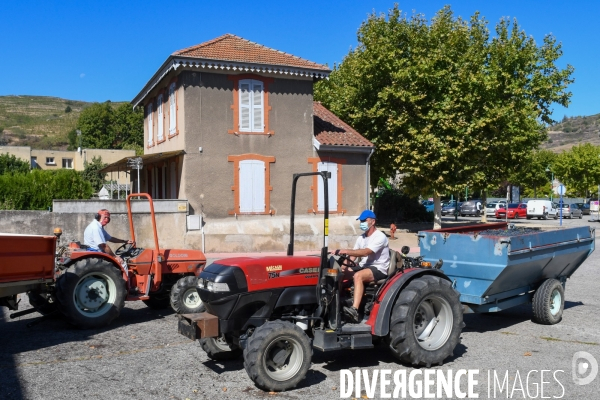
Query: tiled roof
(234, 48)
(332, 131)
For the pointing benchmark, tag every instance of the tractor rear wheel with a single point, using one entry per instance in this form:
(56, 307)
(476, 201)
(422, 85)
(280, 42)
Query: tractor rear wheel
(426, 322)
(91, 293)
(277, 356)
(218, 349)
(184, 296)
(549, 302)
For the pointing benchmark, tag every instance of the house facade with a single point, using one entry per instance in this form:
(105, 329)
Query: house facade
(227, 124)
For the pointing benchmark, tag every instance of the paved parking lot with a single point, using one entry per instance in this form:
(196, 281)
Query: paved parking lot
(141, 355)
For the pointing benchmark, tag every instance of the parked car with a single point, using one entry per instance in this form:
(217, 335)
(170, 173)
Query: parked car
(490, 208)
(571, 211)
(450, 209)
(471, 207)
(585, 208)
(541, 209)
(514, 210)
(428, 204)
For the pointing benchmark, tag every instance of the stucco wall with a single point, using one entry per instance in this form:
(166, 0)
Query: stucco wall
(245, 234)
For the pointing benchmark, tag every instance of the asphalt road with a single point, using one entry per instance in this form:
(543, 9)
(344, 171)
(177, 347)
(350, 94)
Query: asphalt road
(141, 355)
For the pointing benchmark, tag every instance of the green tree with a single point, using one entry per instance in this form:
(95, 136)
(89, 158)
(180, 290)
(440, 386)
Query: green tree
(129, 126)
(104, 126)
(9, 164)
(446, 104)
(579, 169)
(96, 125)
(91, 173)
(68, 109)
(533, 175)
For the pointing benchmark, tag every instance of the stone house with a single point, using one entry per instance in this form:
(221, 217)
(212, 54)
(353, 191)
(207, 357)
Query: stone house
(227, 124)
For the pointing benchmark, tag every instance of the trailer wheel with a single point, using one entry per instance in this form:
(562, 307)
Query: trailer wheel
(549, 302)
(42, 302)
(91, 293)
(184, 296)
(277, 356)
(218, 348)
(426, 322)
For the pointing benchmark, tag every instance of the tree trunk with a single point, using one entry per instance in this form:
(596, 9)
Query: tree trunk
(437, 211)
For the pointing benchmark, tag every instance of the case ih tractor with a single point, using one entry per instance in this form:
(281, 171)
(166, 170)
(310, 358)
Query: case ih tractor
(274, 310)
(90, 288)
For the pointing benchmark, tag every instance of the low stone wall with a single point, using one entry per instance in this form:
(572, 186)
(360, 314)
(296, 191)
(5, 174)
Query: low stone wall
(242, 234)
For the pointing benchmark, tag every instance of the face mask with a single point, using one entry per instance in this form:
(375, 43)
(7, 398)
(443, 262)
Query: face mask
(364, 226)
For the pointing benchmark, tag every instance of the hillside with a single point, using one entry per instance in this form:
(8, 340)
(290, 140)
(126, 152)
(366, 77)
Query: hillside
(38, 121)
(573, 131)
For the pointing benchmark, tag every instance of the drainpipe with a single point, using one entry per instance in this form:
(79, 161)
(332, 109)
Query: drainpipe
(368, 172)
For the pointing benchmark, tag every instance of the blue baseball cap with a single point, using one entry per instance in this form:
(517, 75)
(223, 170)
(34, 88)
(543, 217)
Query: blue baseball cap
(366, 214)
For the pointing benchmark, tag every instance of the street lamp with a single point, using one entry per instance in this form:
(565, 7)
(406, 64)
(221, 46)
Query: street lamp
(551, 182)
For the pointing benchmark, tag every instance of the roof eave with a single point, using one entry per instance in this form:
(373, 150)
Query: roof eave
(174, 62)
(342, 148)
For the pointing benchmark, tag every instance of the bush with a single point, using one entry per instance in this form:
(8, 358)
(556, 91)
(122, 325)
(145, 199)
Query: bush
(10, 164)
(395, 206)
(37, 189)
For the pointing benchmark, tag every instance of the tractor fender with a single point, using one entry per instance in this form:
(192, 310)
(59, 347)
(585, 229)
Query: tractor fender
(386, 304)
(96, 254)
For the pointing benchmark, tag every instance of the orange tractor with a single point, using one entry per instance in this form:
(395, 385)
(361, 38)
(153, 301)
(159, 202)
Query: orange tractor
(90, 288)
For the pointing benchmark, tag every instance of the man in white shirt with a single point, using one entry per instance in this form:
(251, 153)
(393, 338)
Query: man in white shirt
(95, 237)
(373, 248)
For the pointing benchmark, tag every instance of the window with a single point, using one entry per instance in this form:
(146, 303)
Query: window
(67, 163)
(34, 162)
(250, 104)
(50, 161)
(172, 110)
(159, 117)
(150, 125)
(334, 185)
(251, 184)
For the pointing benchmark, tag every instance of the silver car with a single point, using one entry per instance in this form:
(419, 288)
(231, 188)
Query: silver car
(490, 208)
(571, 211)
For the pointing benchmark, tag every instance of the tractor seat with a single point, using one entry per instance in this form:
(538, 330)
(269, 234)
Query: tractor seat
(394, 255)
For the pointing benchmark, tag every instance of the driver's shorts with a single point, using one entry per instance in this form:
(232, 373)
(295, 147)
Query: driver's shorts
(377, 274)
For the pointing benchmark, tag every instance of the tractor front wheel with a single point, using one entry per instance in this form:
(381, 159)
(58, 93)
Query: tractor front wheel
(426, 322)
(549, 302)
(218, 349)
(277, 356)
(184, 296)
(91, 293)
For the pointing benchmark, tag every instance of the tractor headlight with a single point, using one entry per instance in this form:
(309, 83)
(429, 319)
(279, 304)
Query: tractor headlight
(217, 287)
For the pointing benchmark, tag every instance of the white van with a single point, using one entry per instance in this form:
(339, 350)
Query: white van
(541, 209)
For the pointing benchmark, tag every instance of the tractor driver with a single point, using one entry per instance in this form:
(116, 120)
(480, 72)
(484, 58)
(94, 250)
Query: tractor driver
(95, 237)
(373, 248)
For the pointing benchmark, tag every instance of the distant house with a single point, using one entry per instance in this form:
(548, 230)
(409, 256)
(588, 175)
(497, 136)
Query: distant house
(227, 123)
(60, 159)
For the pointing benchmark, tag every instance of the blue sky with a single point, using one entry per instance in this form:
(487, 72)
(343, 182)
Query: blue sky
(97, 51)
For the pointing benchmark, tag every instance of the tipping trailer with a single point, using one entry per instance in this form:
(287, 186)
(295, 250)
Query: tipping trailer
(497, 266)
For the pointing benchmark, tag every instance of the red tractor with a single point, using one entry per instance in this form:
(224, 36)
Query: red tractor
(274, 310)
(90, 288)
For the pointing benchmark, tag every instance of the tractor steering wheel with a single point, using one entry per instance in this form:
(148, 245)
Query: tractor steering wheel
(124, 249)
(346, 260)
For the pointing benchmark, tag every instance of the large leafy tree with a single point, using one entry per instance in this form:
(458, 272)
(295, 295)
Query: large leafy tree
(104, 126)
(444, 102)
(579, 169)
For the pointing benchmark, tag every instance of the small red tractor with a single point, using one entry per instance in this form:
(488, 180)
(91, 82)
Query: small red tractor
(90, 288)
(275, 310)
